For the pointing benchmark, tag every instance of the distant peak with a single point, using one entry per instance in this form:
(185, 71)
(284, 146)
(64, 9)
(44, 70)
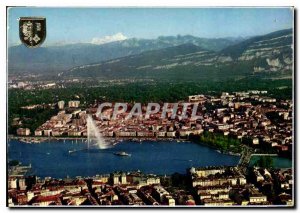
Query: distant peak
(108, 39)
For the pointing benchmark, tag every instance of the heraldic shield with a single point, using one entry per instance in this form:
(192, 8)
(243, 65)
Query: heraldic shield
(32, 31)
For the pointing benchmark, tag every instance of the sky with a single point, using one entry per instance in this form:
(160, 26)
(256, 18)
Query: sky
(102, 25)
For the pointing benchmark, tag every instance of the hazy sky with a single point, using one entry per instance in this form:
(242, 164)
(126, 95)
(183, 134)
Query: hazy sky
(99, 25)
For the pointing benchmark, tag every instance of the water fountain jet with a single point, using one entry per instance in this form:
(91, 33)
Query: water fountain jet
(94, 138)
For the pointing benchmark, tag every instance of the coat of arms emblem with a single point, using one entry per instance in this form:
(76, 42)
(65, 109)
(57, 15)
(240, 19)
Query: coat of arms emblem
(32, 31)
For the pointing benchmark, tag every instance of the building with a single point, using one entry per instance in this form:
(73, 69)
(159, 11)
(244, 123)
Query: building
(48, 132)
(22, 184)
(12, 183)
(160, 193)
(256, 197)
(197, 98)
(170, 200)
(23, 131)
(210, 202)
(38, 132)
(118, 178)
(206, 171)
(61, 104)
(73, 104)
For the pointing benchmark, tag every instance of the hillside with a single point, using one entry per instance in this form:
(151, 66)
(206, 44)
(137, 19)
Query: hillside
(149, 64)
(269, 54)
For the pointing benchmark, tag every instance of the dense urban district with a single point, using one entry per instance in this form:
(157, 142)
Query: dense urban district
(225, 122)
(243, 123)
(208, 186)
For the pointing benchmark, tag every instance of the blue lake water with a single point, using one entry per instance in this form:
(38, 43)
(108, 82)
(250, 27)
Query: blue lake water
(163, 157)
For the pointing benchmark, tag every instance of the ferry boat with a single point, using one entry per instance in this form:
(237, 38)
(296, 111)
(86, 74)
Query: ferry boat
(122, 154)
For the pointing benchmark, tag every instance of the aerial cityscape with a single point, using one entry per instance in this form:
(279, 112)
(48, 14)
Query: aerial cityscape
(113, 114)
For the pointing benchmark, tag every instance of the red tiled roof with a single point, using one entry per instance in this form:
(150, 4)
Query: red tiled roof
(39, 199)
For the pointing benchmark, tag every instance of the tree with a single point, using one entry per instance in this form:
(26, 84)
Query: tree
(265, 162)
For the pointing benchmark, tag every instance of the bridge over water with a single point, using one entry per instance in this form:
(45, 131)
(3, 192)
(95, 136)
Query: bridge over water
(246, 155)
(264, 154)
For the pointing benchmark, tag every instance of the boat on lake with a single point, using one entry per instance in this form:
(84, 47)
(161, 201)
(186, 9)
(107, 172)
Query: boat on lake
(76, 150)
(71, 151)
(122, 154)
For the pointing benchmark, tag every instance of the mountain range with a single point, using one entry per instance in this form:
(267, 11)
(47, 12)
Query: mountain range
(174, 57)
(60, 58)
(271, 53)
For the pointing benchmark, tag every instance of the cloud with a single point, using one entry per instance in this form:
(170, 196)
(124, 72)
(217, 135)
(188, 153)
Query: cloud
(107, 39)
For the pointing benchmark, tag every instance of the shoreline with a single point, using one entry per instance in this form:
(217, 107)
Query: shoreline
(59, 138)
(34, 139)
(216, 148)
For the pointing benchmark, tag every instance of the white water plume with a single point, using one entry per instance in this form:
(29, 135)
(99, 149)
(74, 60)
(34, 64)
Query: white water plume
(94, 138)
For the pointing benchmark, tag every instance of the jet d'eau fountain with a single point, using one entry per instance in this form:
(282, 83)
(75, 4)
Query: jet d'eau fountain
(94, 138)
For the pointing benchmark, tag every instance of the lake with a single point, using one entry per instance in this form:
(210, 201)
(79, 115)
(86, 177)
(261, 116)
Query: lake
(158, 157)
